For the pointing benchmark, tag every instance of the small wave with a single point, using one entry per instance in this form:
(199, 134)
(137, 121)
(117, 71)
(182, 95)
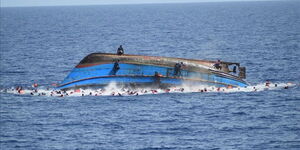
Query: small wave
(113, 90)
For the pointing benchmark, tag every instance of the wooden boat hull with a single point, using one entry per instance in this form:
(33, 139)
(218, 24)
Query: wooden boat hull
(97, 70)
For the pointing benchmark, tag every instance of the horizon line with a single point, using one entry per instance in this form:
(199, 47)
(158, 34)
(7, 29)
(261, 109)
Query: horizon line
(142, 3)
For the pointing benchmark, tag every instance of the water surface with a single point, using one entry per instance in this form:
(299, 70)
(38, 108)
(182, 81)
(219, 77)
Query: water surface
(42, 45)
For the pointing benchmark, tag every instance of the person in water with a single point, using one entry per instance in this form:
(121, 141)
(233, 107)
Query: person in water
(120, 50)
(217, 65)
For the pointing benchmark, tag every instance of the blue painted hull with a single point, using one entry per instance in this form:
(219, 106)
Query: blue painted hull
(139, 74)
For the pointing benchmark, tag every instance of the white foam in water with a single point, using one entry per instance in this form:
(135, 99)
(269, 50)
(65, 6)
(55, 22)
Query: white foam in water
(113, 90)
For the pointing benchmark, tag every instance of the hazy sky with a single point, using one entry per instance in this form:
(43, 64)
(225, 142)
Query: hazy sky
(14, 3)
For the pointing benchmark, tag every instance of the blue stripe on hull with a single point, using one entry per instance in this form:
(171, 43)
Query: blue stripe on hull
(101, 74)
(137, 80)
(106, 69)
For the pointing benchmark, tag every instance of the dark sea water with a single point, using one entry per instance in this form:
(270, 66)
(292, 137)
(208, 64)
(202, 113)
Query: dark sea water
(42, 44)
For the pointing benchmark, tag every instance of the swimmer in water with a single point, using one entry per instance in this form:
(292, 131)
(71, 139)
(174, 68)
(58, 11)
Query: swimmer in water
(268, 83)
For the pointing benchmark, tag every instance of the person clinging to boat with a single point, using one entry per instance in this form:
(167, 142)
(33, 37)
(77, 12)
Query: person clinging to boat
(120, 50)
(177, 69)
(217, 65)
(116, 67)
(157, 77)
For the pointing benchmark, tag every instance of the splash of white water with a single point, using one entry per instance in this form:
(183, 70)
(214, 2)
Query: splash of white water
(113, 90)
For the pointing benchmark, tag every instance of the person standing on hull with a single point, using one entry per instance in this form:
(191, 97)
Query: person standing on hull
(120, 50)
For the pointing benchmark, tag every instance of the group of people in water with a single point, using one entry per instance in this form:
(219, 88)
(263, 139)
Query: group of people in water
(35, 91)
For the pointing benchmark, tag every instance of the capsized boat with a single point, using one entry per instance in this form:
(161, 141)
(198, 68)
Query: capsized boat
(101, 69)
